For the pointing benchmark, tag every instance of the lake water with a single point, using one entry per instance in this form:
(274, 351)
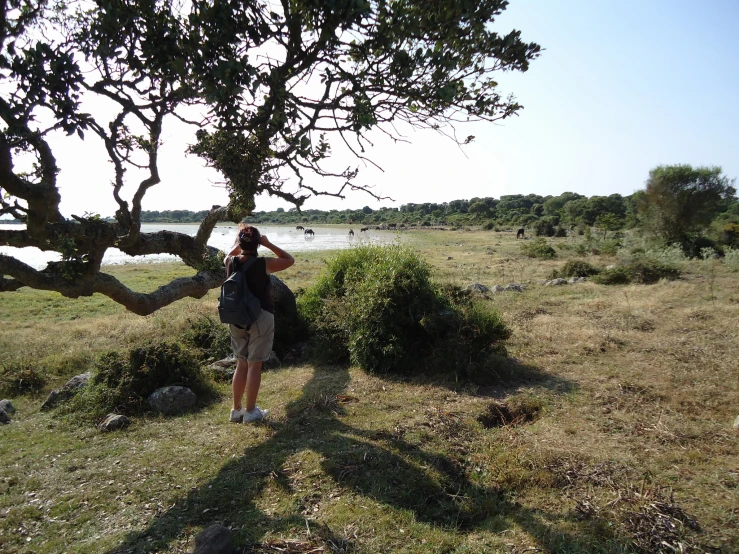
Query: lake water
(223, 238)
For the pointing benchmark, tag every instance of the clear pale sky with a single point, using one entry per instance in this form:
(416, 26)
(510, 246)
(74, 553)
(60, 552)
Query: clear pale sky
(620, 88)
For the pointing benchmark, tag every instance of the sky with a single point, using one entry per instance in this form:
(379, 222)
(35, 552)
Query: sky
(621, 87)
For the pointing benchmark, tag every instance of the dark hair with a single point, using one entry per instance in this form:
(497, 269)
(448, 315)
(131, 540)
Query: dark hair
(248, 237)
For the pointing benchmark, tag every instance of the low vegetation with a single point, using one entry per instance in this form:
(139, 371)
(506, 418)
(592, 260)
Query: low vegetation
(378, 308)
(538, 248)
(609, 429)
(122, 381)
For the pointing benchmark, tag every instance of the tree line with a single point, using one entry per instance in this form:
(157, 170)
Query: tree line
(679, 204)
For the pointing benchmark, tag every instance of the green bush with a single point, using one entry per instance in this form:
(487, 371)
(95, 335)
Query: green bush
(646, 272)
(377, 307)
(613, 276)
(489, 226)
(20, 377)
(560, 232)
(609, 247)
(575, 268)
(544, 228)
(538, 248)
(121, 382)
(208, 337)
(643, 271)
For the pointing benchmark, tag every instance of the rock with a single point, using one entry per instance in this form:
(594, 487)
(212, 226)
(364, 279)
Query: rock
(4, 417)
(172, 400)
(222, 374)
(577, 279)
(513, 287)
(7, 406)
(477, 287)
(52, 400)
(69, 389)
(736, 423)
(498, 288)
(556, 282)
(273, 362)
(113, 422)
(283, 297)
(612, 266)
(543, 281)
(449, 258)
(77, 382)
(225, 362)
(214, 539)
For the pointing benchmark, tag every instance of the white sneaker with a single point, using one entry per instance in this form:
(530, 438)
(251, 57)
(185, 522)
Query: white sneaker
(237, 416)
(257, 414)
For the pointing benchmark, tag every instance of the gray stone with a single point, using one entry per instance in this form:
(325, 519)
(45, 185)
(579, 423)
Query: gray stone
(4, 417)
(612, 266)
(513, 287)
(283, 297)
(113, 422)
(556, 282)
(222, 373)
(736, 423)
(214, 539)
(77, 382)
(477, 287)
(273, 362)
(7, 406)
(225, 362)
(52, 400)
(172, 400)
(578, 279)
(69, 389)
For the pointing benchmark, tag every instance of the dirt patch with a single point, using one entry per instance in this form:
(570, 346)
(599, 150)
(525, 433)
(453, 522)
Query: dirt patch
(514, 411)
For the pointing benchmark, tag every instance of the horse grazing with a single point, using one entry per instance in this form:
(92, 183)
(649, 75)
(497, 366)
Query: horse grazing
(364, 229)
(519, 234)
(351, 232)
(300, 228)
(309, 232)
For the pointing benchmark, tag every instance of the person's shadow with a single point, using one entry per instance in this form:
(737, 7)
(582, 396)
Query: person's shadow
(380, 465)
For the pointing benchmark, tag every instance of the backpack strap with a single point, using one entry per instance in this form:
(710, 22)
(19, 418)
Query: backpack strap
(237, 266)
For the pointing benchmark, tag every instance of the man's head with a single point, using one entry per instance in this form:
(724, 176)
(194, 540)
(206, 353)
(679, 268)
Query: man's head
(248, 238)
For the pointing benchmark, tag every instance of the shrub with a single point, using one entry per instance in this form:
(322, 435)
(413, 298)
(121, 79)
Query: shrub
(641, 270)
(208, 337)
(646, 272)
(575, 268)
(613, 276)
(538, 248)
(692, 245)
(731, 258)
(609, 247)
(560, 232)
(122, 382)
(730, 234)
(20, 377)
(489, 226)
(544, 228)
(377, 307)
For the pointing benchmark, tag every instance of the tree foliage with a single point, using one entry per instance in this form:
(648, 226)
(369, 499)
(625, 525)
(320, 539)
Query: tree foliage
(268, 86)
(680, 200)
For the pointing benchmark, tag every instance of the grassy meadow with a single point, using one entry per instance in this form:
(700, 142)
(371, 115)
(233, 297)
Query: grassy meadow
(630, 394)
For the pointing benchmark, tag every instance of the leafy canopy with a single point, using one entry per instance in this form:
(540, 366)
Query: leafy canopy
(267, 87)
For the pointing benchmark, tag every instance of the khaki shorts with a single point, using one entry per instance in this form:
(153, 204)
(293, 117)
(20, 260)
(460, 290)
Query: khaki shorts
(254, 344)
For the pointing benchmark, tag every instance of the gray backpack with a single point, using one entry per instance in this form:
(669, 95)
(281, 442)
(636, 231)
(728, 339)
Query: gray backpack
(236, 304)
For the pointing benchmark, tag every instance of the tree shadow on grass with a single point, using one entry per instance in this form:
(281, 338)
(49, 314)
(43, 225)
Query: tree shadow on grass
(379, 465)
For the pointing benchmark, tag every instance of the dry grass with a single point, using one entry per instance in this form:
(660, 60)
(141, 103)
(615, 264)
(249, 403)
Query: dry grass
(631, 449)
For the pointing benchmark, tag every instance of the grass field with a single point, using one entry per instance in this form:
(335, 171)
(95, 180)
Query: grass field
(632, 389)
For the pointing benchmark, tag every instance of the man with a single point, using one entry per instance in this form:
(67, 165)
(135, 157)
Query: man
(252, 346)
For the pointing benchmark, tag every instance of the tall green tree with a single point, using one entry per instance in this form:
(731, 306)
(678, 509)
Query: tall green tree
(680, 199)
(269, 87)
